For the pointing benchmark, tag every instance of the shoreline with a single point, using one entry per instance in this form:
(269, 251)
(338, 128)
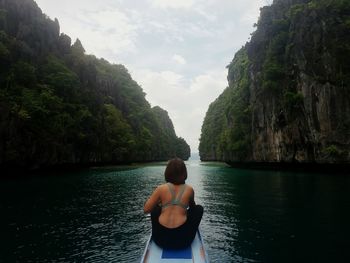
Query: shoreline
(312, 167)
(16, 171)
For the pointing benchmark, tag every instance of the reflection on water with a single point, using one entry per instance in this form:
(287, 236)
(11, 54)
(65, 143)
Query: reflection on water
(260, 216)
(250, 216)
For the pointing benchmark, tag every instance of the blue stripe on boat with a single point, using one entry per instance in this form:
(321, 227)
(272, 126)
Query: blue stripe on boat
(185, 253)
(194, 254)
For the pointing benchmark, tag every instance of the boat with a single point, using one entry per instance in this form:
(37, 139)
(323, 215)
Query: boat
(195, 253)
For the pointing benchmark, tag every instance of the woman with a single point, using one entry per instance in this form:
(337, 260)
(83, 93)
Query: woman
(174, 214)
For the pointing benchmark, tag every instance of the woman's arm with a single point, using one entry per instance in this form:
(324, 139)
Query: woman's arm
(152, 201)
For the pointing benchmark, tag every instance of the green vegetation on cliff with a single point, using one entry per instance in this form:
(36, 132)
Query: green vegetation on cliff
(226, 128)
(61, 106)
(290, 100)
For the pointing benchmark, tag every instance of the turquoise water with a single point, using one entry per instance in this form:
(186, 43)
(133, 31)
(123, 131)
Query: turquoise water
(250, 216)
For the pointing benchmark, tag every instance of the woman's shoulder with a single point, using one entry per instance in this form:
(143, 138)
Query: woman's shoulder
(189, 187)
(162, 186)
(166, 186)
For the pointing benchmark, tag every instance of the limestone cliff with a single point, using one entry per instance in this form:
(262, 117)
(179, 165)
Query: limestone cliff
(288, 98)
(61, 107)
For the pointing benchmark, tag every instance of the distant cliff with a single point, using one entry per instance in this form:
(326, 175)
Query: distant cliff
(288, 99)
(167, 142)
(60, 106)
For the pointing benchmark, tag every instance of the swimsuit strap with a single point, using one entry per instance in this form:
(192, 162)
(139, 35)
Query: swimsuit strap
(175, 200)
(172, 191)
(181, 192)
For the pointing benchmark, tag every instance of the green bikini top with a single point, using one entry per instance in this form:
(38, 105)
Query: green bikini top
(175, 200)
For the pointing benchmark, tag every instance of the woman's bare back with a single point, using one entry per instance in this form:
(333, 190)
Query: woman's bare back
(173, 216)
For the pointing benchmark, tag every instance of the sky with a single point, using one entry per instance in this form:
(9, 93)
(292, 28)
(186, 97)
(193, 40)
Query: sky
(176, 50)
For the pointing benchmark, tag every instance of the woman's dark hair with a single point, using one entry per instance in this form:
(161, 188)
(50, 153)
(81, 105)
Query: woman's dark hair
(175, 171)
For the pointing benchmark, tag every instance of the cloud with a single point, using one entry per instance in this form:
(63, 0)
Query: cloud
(162, 88)
(176, 4)
(185, 100)
(107, 30)
(209, 85)
(252, 11)
(207, 15)
(176, 50)
(104, 29)
(179, 59)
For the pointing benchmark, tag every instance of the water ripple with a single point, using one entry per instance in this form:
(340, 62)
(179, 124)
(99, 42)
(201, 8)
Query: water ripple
(250, 216)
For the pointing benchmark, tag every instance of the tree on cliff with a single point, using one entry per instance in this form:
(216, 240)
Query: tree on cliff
(288, 96)
(61, 106)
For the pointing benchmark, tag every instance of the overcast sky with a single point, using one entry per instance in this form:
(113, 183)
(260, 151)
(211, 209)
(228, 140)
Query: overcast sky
(177, 50)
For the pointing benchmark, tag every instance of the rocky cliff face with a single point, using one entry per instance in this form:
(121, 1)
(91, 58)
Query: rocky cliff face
(167, 141)
(297, 97)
